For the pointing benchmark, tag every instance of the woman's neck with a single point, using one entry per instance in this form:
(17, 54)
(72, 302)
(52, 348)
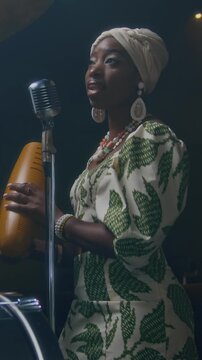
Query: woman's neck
(117, 121)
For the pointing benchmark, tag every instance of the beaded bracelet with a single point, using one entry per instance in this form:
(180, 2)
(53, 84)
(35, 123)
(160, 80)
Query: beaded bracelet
(60, 224)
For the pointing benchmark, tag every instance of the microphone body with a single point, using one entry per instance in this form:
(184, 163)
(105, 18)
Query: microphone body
(17, 230)
(45, 100)
(46, 106)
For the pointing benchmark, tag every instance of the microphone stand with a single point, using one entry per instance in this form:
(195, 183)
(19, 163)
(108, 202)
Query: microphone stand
(48, 158)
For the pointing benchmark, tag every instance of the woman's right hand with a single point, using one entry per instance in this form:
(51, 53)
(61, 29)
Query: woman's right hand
(26, 198)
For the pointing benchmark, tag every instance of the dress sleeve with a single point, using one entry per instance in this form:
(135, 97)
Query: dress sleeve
(144, 191)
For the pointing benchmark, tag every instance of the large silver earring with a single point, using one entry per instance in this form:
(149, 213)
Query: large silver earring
(98, 115)
(138, 109)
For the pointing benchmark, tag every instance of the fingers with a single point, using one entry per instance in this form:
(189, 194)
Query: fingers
(16, 197)
(26, 198)
(27, 208)
(24, 188)
(16, 207)
(20, 193)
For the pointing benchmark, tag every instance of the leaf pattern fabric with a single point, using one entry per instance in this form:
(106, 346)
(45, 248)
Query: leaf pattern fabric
(182, 167)
(181, 305)
(138, 157)
(124, 283)
(127, 327)
(132, 306)
(156, 267)
(164, 168)
(94, 275)
(117, 214)
(148, 354)
(149, 207)
(92, 342)
(152, 327)
(188, 352)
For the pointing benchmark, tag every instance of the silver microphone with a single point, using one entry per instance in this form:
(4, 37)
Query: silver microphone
(45, 100)
(46, 106)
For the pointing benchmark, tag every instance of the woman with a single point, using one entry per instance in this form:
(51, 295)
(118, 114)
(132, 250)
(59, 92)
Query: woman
(128, 304)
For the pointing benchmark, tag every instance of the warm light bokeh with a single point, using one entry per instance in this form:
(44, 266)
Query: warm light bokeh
(198, 16)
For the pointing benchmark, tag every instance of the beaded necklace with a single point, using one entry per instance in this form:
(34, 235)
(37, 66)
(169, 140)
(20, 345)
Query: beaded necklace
(106, 145)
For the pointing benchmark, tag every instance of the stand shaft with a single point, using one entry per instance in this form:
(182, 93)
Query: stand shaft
(48, 152)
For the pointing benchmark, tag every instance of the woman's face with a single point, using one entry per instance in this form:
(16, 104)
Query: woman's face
(111, 78)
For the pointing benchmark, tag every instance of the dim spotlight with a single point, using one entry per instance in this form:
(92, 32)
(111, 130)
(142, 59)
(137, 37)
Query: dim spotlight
(198, 16)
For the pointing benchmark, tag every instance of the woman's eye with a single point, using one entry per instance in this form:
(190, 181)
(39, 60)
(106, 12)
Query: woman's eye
(91, 62)
(111, 60)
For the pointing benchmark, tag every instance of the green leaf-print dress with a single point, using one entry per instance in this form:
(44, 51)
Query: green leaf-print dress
(131, 306)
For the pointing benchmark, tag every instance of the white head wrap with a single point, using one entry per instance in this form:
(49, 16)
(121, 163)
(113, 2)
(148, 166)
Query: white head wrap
(146, 49)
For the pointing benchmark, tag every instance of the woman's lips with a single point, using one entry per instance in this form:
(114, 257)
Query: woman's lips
(95, 86)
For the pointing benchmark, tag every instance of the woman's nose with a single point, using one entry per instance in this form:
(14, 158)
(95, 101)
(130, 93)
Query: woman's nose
(96, 69)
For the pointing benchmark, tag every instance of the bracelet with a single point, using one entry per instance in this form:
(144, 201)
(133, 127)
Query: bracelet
(60, 224)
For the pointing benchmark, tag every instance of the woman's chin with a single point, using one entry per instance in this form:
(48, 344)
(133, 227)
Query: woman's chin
(96, 103)
(95, 98)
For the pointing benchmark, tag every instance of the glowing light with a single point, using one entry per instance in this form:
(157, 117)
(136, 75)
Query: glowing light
(198, 16)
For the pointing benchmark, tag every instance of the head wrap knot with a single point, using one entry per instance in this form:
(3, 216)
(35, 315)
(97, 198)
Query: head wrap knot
(146, 49)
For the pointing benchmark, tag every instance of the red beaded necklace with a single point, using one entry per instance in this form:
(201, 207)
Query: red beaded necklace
(107, 145)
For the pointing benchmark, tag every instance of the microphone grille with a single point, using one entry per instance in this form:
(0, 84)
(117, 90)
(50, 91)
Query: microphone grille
(44, 98)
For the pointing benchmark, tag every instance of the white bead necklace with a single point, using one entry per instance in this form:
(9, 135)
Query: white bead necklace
(106, 145)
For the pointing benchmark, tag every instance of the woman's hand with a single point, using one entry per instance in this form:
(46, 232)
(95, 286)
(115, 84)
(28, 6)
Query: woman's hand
(64, 253)
(28, 199)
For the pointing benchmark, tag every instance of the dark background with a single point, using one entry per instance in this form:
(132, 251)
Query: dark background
(56, 46)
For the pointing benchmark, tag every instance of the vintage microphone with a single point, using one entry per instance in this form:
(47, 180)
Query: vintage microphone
(46, 106)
